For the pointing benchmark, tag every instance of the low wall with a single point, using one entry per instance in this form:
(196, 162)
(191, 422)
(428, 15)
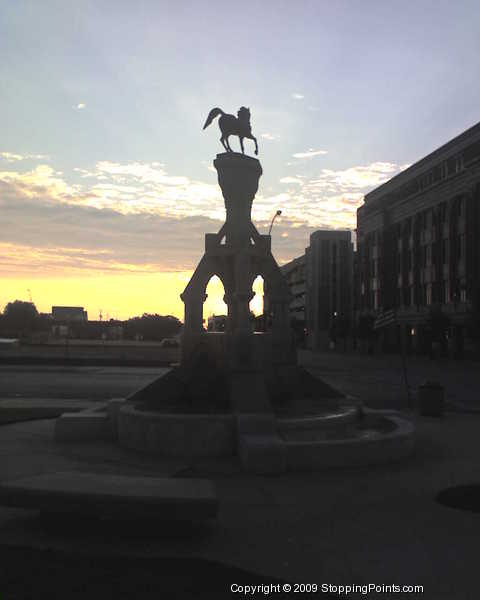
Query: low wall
(184, 435)
(88, 353)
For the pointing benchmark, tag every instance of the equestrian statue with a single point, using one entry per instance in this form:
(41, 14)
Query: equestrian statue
(231, 125)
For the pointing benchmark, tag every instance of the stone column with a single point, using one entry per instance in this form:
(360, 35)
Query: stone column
(238, 177)
(193, 312)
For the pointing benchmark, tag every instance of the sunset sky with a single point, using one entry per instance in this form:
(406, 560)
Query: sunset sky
(106, 179)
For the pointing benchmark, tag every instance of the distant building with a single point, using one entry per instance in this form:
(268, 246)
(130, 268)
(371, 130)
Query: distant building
(61, 331)
(114, 332)
(321, 284)
(418, 245)
(217, 323)
(329, 291)
(294, 273)
(68, 314)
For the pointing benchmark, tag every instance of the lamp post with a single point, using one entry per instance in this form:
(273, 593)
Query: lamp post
(265, 291)
(277, 214)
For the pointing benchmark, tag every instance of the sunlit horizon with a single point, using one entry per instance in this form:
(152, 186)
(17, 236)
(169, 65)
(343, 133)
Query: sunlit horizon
(107, 185)
(119, 297)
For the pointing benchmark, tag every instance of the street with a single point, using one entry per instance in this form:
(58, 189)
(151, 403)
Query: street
(376, 380)
(86, 383)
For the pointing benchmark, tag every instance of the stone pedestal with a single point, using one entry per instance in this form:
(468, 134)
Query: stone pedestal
(237, 254)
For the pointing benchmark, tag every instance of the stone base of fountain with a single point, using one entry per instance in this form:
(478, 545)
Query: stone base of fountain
(238, 393)
(278, 420)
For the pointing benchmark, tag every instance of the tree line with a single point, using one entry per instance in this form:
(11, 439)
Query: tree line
(22, 320)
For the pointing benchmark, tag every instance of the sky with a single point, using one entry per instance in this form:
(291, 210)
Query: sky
(106, 179)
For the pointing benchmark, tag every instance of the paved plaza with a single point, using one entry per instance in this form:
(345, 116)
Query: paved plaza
(69, 382)
(379, 380)
(377, 525)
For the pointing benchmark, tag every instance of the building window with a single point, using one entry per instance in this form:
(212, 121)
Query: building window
(442, 212)
(428, 294)
(409, 260)
(446, 291)
(461, 246)
(428, 255)
(460, 207)
(445, 251)
(428, 219)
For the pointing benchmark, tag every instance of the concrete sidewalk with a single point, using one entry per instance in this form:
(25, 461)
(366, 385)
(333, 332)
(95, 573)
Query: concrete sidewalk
(349, 526)
(13, 410)
(379, 380)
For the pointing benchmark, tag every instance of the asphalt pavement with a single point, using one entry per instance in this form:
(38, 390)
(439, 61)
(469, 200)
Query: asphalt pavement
(79, 383)
(381, 381)
(380, 525)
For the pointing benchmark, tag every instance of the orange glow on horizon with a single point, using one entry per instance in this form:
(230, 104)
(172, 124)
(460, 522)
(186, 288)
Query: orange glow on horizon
(119, 296)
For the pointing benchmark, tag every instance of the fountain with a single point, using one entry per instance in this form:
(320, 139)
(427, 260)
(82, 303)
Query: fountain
(239, 392)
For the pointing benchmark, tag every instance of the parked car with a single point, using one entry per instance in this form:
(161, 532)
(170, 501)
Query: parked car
(169, 343)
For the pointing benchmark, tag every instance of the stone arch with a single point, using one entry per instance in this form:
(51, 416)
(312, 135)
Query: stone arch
(216, 310)
(194, 294)
(276, 294)
(256, 303)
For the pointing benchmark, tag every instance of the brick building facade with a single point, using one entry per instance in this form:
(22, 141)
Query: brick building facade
(418, 247)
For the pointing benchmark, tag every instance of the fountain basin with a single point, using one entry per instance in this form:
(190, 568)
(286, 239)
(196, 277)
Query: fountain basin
(341, 439)
(179, 435)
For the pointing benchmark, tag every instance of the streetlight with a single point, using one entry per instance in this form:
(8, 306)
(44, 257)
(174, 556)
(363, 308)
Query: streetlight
(277, 214)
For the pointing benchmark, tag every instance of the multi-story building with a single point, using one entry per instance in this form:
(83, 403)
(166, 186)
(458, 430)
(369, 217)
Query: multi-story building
(69, 314)
(329, 294)
(217, 323)
(418, 245)
(294, 273)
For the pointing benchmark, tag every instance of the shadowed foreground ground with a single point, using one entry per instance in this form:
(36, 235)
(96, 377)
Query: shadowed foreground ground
(346, 526)
(31, 573)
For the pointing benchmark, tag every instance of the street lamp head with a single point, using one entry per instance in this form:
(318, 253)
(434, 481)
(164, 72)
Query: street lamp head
(277, 214)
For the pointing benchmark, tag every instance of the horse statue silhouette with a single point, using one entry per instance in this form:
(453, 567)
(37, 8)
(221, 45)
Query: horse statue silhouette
(230, 125)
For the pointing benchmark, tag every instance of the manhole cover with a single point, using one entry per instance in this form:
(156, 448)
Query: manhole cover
(462, 497)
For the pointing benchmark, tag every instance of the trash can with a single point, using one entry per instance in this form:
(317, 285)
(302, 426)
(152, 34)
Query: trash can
(431, 399)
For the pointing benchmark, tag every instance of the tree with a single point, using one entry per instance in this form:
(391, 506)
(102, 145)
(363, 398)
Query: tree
(152, 327)
(20, 318)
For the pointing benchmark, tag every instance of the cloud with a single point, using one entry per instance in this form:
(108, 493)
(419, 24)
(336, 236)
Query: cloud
(11, 157)
(80, 106)
(40, 235)
(132, 187)
(42, 179)
(291, 180)
(269, 136)
(298, 96)
(137, 217)
(309, 153)
(327, 200)
(358, 177)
